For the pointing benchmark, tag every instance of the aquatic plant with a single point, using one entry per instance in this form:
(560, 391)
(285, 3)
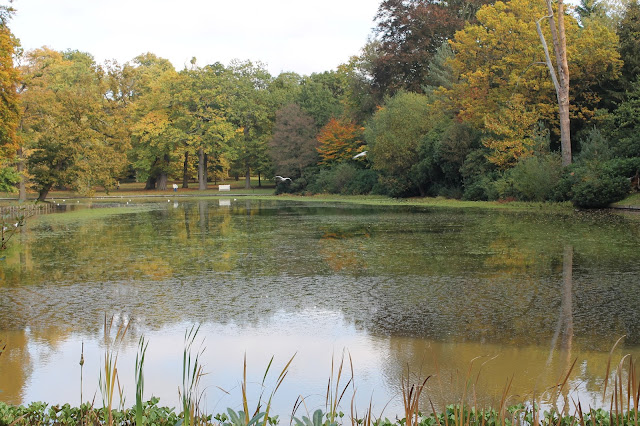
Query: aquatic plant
(142, 350)
(192, 372)
(623, 399)
(242, 417)
(411, 398)
(109, 371)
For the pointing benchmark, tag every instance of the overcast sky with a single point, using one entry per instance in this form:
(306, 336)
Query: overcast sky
(286, 35)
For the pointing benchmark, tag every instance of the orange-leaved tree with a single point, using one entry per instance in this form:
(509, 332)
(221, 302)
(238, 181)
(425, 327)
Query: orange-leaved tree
(340, 140)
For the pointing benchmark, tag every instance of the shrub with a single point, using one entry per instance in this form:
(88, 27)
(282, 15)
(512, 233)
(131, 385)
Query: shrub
(534, 178)
(599, 191)
(479, 189)
(345, 179)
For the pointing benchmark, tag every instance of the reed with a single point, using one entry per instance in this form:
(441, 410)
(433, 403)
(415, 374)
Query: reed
(142, 350)
(279, 380)
(192, 373)
(109, 371)
(411, 397)
(334, 395)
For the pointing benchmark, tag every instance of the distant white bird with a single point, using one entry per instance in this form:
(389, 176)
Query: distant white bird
(362, 154)
(282, 179)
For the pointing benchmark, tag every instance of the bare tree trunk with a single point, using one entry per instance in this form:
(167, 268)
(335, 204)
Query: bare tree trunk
(185, 171)
(259, 181)
(561, 78)
(247, 176)
(22, 187)
(162, 181)
(42, 195)
(151, 183)
(247, 166)
(202, 170)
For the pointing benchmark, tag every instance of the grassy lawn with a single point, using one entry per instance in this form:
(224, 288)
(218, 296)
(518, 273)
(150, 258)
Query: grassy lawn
(632, 200)
(266, 190)
(136, 189)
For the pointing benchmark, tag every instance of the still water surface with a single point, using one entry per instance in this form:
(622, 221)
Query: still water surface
(424, 289)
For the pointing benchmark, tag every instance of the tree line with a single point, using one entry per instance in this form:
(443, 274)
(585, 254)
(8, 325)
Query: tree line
(448, 98)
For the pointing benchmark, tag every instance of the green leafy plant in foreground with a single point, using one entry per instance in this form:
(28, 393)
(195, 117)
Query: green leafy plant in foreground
(624, 400)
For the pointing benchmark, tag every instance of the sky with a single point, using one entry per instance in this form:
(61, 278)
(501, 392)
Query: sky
(285, 35)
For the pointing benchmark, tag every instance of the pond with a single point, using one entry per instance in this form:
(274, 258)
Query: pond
(429, 291)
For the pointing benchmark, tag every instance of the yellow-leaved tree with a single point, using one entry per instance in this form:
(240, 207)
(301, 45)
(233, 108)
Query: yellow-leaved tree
(9, 106)
(502, 68)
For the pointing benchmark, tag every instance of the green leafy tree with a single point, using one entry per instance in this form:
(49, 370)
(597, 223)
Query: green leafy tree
(321, 96)
(72, 126)
(157, 145)
(200, 112)
(394, 135)
(252, 113)
(9, 103)
(360, 100)
(284, 89)
(624, 122)
(629, 34)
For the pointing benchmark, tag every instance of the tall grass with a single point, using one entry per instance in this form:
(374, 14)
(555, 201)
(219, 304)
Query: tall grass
(279, 380)
(411, 398)
(622, 380)
(334, 395)
(142, 350)
(109, 370)
(192, 373)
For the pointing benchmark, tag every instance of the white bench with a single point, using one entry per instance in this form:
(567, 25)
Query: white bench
(224, 187)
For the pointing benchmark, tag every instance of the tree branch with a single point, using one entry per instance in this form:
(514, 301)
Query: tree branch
(554, 76)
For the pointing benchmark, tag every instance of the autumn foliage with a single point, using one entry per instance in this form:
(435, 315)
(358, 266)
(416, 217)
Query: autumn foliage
(339, 140)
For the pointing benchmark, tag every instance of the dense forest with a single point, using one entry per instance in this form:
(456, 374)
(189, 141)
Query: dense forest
(453, 98)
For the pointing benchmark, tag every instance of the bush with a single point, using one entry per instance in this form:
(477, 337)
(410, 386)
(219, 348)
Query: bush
(600, 191)
(298, 185)
(345, 179)
(627, 167)
(479, 189)
(596, 184)
(534, 178)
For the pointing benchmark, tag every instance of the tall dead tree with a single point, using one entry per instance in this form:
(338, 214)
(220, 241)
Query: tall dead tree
(561, 76)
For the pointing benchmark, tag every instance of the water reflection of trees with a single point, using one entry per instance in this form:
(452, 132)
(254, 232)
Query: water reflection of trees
(483, 277)
(478, 373)
(469, 283)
